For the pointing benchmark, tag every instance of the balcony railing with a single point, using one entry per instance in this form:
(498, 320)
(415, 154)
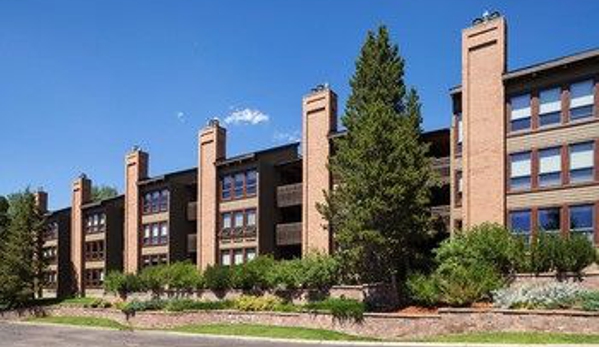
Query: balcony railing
(442, 167)
(192, 211)
(289, 234)
(289, 195)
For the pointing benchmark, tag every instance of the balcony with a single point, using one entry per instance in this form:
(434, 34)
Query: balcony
(289, 195)
(192, 211)
(289, 234)
(442, 167)
(192, 243)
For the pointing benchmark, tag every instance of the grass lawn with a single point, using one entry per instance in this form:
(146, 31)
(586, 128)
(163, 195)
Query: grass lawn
(80, 321)
(518, 338)
(79, 301)
(269, 331)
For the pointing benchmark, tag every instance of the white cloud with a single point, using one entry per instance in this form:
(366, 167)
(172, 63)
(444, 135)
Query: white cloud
(181, 117)
(246, 116)
(284, 137)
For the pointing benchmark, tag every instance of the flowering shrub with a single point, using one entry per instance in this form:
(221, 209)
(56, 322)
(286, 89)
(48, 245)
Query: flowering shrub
(539, 296)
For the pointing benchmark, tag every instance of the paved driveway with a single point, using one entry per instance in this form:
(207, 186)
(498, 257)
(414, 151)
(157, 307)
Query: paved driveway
(28, 335)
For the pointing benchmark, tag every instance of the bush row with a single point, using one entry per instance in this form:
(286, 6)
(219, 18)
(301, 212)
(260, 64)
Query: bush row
(473, 264)
(341, 309)
(547, 296)
(315, 271)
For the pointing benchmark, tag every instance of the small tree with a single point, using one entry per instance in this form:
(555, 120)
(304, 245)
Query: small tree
(153, 278)
(122, 284)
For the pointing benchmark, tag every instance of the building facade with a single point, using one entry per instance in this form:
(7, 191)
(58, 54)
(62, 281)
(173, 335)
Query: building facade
(524, 141)
(520, 151)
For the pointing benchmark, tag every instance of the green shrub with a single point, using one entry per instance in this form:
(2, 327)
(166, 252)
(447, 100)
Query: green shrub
(183, 276)
(540, 253)
(287, 275)
(257, 303)
(580, 253)
(178, 305)
(423, 289)
(218, 277)
(122, 284)
(140, 306)
(590, 301)
(255, 275)
(319, 271)
(153, 279)
(341, 309)
(466, 283)
(97, 303)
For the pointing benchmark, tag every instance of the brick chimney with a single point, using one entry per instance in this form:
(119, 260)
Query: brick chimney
(41, 200)
(136, 169)
(483, 112)
(81, 194)
(319, 121)
(212, 147)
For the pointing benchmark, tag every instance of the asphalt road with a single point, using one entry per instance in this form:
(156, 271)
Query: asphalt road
(28, 335)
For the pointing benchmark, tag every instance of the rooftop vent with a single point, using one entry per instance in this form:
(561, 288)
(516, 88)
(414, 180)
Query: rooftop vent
(320, 88)
(486, 17)
(213, 122)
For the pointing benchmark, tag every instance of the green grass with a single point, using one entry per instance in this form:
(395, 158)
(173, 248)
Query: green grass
(518, 338)
(78, 301)
(269, 331)
(80, 321)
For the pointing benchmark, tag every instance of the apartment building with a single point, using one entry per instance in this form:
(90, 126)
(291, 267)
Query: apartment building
(226, 211)
(524, 141)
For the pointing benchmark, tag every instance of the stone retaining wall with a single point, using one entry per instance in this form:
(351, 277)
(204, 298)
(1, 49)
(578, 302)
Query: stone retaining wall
(447, 321)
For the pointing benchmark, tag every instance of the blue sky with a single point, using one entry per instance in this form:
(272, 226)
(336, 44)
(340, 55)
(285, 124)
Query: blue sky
(81, 82)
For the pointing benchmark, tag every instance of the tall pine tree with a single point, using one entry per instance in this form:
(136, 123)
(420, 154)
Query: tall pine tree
(21, 262)
(379, 212)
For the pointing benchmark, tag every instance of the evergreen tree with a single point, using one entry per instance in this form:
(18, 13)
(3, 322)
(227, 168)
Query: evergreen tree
(379, 212)
(103, 192)
(20, 257)
(3, 216)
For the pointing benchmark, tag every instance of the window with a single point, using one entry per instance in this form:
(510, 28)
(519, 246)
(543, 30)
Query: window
(550, 166)
(550, 108)
(156, 202)
(227, 221)
(459, 188)
(581, 100)
(550, 219)
(154, 259)
(239, 219)
(155, 234)
(51, 231)
(250, 254)
(50, 254)
(94, 250)
(582, 220)
(251, 182)
(251, 218)
(520, 170)
(239, 181)
(227, 185)
(460, 132)
(95, 223)
(50, 279)
(225, 258)
(581, 162)
(94, 278)
(520, 223)
(238, 256)
(520, 112)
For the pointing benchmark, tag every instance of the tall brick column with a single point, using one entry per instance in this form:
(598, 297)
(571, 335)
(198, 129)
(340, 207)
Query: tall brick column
(483, 102)
(41, 201)
(319, 121)
(212, 147)
(81, 194)
(136, 169)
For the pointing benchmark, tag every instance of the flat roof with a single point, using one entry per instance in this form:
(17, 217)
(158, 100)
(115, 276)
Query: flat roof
(543, 66)
(168, 175)
(253, 155)
(103, 201)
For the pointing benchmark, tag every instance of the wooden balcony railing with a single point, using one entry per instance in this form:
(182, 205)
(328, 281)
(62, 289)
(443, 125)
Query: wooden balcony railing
(289, 234)
(442, 166)
(289, 195)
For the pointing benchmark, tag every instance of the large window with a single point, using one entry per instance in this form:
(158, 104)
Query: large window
(154, 259)
(550, 219)
(156, 201)
(582, 100)
(155, 234)
(460, 132)
(582, 220)
(239, 185)
(225, 258)
(94, 250)
(237, 256)
(550, 167)
(237, 224)
(581, 162)
(520, 113)
(94, 278)
(520, 223)
(50, 254)
(520, 170)
(550, 107)
(95, 223)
